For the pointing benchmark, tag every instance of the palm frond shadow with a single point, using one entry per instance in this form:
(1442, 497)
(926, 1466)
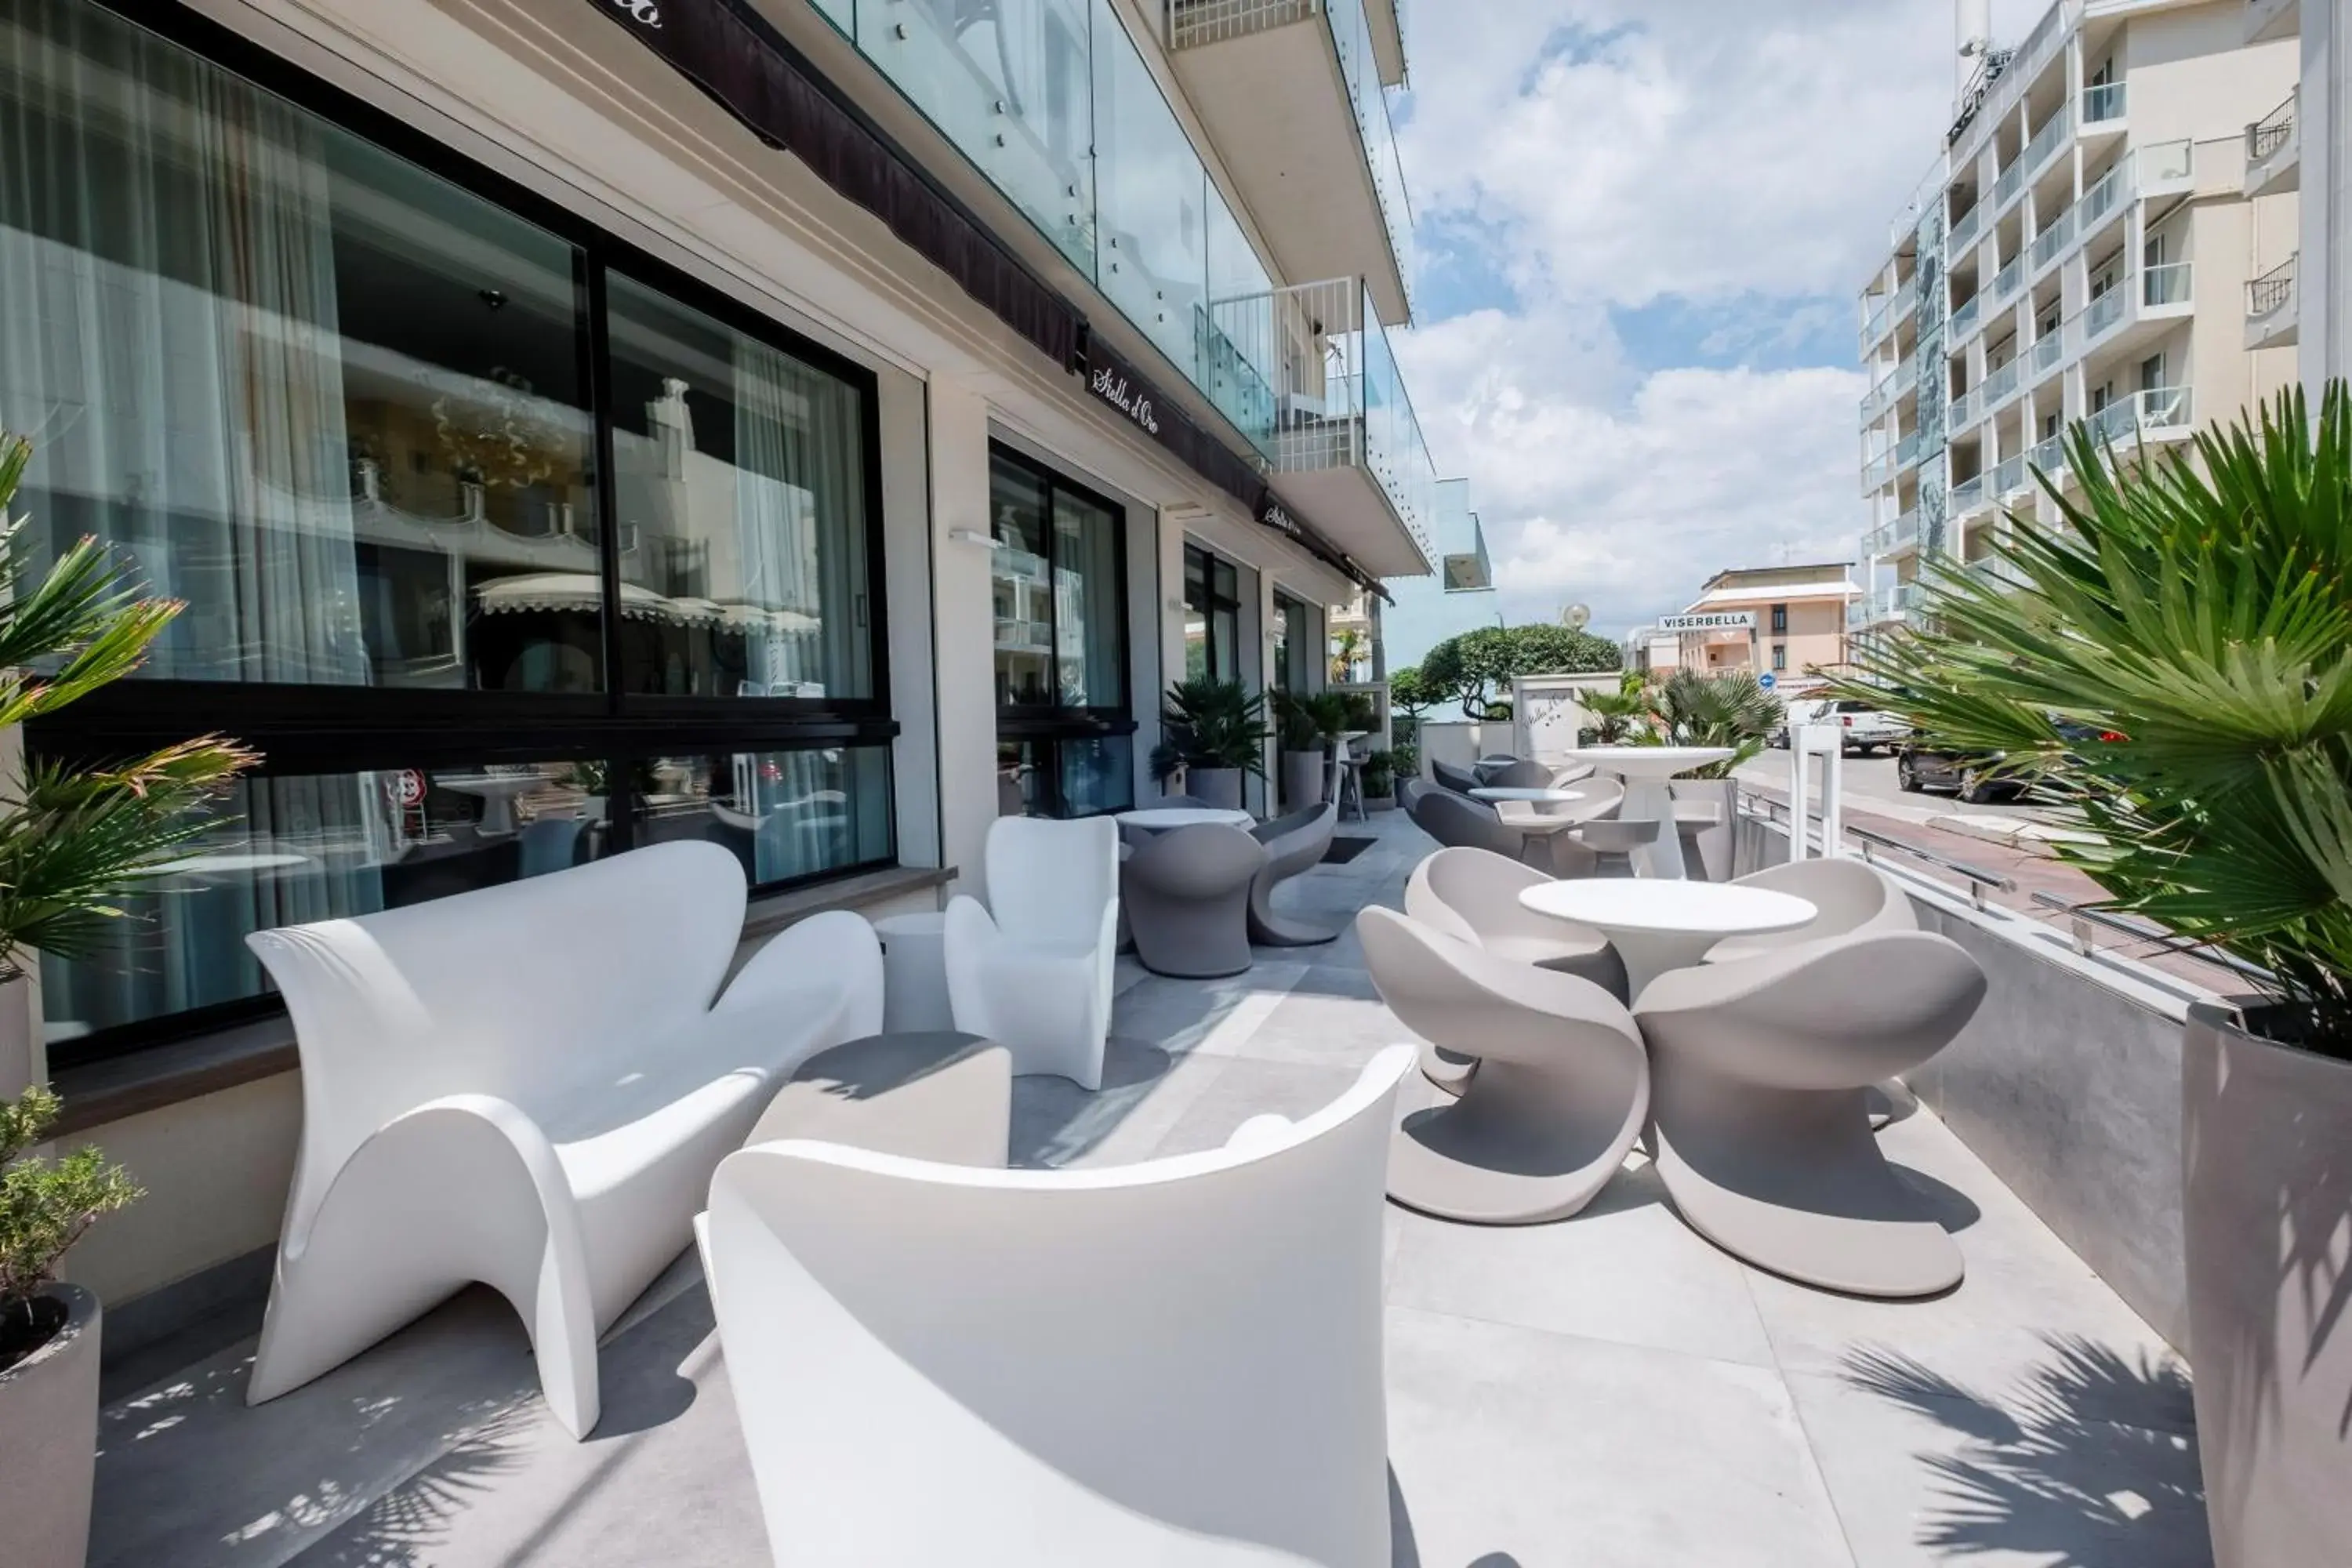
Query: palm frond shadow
(2090, 1461)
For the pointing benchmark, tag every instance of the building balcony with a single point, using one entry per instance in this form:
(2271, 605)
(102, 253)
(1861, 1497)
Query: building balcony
(2274, 150)
(1906, 452)
(2162, 413)
(2105, 199)
(1893, 537)
(1997, 573)
(1335, 420)
(2002, 382)
(2048, 353)
(1890, 391)
(2008, 279)
(1964, 232)
(2268, 19)
(2055, 134)
(2271, 307)
(1968, 496)
(1883, 313)
(1966, 410)
(2136, 310)
(1290, 92)
(2103, 108)
(1964, 324)
(2052, 242)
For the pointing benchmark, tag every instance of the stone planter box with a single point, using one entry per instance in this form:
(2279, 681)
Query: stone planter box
(49, 1440)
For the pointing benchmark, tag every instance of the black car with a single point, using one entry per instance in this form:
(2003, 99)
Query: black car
(1920, 765)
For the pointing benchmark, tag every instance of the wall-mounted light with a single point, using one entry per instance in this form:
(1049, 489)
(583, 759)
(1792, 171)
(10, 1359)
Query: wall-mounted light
(974, 536)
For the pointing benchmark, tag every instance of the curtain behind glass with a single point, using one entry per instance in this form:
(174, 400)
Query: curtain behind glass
(1087, 601)
(800, 512)
(167, 308)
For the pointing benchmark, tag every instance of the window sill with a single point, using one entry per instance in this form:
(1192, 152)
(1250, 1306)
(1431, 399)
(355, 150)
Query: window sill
(96, 1093)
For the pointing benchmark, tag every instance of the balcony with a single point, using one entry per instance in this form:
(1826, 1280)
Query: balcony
(1877, 472)
(1290, 92)
(2052, 242)
(2159, 413)
(2103, 200)
(1968, 496)
(2169, 285)
(2049, 351)
(2002, 383)
(1906, 452)
(2268, 19)
(1995, 573)
(1969, 225)
(1883, 608)
(1966, 410)
(2012, 477)
(1899, 534)
(2102, 106)
(1965, 321)
(2008, 279)
(1337, 424)
(2009, 184)
(1881, 313)
(2271, 307)
(1387, 20)
(2274, 150)
(2047, 458)
(1889, 391)
(2053, 135)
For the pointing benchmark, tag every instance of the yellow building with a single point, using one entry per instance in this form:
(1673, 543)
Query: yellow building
(1788, 621)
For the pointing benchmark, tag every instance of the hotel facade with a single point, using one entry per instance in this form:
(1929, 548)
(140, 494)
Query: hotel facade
(814, 426)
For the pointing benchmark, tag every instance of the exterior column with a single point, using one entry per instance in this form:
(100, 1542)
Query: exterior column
(964, 626)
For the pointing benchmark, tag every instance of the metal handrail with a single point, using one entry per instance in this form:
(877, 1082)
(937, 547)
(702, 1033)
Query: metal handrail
(2266, 135)
(1980, 881)
(2081, 917)
(2272, 289)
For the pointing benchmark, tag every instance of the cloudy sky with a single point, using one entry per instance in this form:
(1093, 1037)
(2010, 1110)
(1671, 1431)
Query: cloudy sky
(1643, 225)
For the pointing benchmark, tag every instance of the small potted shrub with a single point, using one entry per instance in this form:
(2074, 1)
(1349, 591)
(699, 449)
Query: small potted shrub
(72, 840)
(1300, 738)
(1731, 709)
(2175, 663)
(1214, 732)
(48, 1336)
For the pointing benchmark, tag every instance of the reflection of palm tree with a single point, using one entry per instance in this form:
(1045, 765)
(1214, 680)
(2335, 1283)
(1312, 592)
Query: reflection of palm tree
(2092, 1463)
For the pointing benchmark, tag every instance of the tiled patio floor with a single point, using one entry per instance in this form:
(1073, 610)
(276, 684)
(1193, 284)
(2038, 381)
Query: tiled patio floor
(1607, 1391)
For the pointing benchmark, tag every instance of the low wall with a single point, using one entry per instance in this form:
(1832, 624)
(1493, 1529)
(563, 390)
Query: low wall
(2067, 1085)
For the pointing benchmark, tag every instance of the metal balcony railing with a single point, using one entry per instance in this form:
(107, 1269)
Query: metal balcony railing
(2270, 292)
(2103, 102)
(2268, 134)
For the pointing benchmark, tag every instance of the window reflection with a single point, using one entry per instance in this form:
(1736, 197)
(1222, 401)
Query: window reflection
(332, 402)
(784, 814)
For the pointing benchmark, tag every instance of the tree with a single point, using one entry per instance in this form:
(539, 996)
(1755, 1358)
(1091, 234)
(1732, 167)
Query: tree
(1411, 694)
(1477, 668)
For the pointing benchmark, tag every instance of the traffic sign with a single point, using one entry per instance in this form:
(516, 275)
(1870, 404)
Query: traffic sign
(1768, 680)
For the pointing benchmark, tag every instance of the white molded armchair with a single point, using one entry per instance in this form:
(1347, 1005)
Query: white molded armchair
(1031, 970)
(1176, 1363)
(530, 1086)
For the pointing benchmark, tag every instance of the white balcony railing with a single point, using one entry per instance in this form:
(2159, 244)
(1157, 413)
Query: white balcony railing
(1967, 495)
(2006, 281)
(2103, 102)
(1965, 231)
(2000, 384)
(2169, 284)
(2105, 311)
(2164, 408)
(2049, 351)
(2050, 243)
(2049, 139)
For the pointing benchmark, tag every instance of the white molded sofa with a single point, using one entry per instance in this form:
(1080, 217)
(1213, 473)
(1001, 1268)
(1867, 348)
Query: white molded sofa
(1033, 969)
(530, 1086)
(1175, 1363)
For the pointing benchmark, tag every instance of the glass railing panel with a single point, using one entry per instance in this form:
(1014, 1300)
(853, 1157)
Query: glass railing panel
(1964, 320)
(842, 13)
(1150, 190)
(1907, 451)
(2000, 383)
(1237, 373)
(1351, 35)
(2169, 284)
(2011, 477)
(2049, 351)
(1965, 409)
(2053, 240)
(1017, 99)
(2005, 283)
(2103, 102)
(1968, 493)
(2048, 456)
(2102, 198)
(2010, 183)
(2049, 139)
(1965, 231)
(2102, 312)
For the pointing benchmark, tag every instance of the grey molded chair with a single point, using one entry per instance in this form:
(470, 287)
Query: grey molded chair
(1186, 895)
(1516, 774)
(1562, 852)
(1762, 1128)
(1294, 844)
(1458, 780)
(1611, 843)
(1486, 767)
(1561, 1088)
(1473, 895)
(1456, 821)
(1855, 900)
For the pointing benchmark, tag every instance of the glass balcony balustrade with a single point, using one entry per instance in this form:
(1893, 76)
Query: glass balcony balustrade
(2052, 242)
(2102, 102)
(2049, 351)
(2010, 477)
(2006, 283)
(2009, 184)
(1966, 410)
(2158, 408)
(2170, 284)
(2001, 383)
(1965, 321)
(2104, 199)
(1965, 230)
(2101, 315)
(1351, 35)
(1967, 495)
(1906, 452)
(2046, 140)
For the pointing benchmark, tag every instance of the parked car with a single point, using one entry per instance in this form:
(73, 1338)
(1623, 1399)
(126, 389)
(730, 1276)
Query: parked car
(1867, 729)
(1797, 710)
(1920, 766)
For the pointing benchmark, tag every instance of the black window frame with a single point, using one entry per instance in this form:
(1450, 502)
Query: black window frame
(1051, 723)
(303, 730)
(1212, 602)
(1780, 620)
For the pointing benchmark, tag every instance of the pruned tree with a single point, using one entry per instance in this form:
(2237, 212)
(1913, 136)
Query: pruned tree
(1477, 668)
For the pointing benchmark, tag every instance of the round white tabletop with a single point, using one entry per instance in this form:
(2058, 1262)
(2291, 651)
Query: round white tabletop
(1526, 792)
(1160, 818)
(1658, 925)
(1648, 798)
(200, 865)
(497, 792)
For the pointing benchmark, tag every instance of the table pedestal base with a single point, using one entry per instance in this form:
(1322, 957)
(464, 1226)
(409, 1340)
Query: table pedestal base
(1653, 800)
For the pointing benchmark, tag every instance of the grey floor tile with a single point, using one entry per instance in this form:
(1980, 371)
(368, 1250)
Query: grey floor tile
(1248, 1088)
(1542, 1450)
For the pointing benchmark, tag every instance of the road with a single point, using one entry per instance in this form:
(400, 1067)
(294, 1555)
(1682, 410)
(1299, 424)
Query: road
(1870, 786)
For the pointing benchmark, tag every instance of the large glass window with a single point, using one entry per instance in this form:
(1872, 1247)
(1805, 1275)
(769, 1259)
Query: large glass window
(1293, 643)
(350, 400)
(1213, 611)
(1063, 718)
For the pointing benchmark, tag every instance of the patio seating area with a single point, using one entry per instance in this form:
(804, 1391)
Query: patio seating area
(1607, 1389)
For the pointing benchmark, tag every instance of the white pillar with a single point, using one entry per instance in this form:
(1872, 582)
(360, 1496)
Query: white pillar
(964, 622)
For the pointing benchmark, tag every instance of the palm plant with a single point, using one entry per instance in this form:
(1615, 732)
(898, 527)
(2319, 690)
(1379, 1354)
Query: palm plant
(2174, 664)
(1730, 710)
(1208, 724)
(1620, 716)
(72, 839)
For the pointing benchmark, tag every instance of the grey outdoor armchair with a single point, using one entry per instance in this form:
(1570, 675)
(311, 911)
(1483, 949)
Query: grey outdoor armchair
(1459, 780)
(1763, 1136)
(1560, 1092)
(1855, 900)
(1186, 895)
(1456, 820)
(1294, 844)
(1515, 773)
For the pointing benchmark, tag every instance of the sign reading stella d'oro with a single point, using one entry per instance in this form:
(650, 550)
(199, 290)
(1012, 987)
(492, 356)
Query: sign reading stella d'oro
(1721, 620)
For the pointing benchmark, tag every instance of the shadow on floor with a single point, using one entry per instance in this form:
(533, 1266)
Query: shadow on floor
(2090, 1463)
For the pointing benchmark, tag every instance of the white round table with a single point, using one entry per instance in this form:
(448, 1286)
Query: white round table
(497, 792)
(915, 973)
(1656, 925)
(1162, 818)
(1648, 797)
(1532, 796)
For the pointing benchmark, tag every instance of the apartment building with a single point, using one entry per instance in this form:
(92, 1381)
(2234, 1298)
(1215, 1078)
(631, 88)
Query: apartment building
(2108, 236)
(1787, 621)
(812, 427)
(2305, 145)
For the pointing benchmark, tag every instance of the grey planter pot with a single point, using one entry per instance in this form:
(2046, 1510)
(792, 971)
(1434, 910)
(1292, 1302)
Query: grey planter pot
(2266, 1135)
(1303, 775)
(1221, 787)
(49, 1440)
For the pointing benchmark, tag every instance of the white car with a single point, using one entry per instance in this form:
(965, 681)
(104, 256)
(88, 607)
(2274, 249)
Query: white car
(1867, 730)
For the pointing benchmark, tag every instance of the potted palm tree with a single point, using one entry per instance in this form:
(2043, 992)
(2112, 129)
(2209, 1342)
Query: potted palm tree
(2174, 661)
(1694, 709)
(1214, 732)
(71, 841)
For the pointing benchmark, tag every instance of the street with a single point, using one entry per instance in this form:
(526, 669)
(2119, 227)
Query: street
(1870, 786)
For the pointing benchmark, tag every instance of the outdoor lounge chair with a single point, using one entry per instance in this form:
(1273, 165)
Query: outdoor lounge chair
(1032, 968)
(1763, 1135)
(1561, 1091)
(529, 1086)
(1294, 845)
(1177, 1362)
(1460, 780)
(1855, 900)
(1187, 897)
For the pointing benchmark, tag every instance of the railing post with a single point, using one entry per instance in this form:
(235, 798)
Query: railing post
(1797, 788)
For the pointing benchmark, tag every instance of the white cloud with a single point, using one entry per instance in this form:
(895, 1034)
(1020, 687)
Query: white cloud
(1741, 159)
